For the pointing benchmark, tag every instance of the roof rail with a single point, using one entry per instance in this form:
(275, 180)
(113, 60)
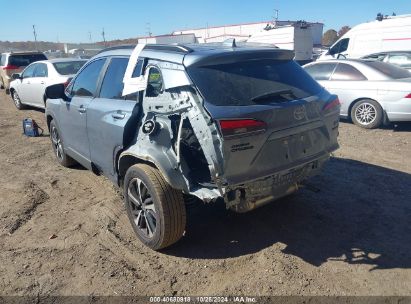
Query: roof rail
(179, 48)
(118, 47)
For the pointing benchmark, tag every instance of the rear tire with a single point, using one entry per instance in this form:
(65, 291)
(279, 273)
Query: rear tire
(16, 100)
(367, 113)
(156, 211)
(58, 147)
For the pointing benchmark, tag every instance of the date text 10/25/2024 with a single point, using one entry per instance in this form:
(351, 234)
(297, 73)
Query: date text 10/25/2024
(205, 299)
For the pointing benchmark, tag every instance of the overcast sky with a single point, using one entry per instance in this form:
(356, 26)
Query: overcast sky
(77, 20)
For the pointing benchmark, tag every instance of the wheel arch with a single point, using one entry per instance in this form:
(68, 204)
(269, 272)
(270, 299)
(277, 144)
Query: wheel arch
(49, 118)
(126, 160)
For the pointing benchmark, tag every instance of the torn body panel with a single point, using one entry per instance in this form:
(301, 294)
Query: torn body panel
(172, 115)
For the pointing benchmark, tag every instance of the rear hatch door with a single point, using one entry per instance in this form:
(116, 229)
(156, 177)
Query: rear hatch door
(17, 62)
(269, 112)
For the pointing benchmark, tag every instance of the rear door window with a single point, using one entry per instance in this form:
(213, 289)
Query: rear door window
(241, 83)
(112, 86)
(41, 70)
(321, 71)
(347, 72)
(85, 84)
(138, 68)
(26, 59)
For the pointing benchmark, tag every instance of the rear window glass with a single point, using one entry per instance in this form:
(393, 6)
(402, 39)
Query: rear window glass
(68, 68)
(241, 83)
(346, 72)
(26, 59)
(320, 71)
(389, 70)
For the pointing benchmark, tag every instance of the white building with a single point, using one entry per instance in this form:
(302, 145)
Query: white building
(167, 39)
(244, 30)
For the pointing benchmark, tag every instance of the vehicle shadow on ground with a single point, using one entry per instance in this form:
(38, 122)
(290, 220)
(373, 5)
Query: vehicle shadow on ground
(361, 215)
(402, 127)
(396, 127)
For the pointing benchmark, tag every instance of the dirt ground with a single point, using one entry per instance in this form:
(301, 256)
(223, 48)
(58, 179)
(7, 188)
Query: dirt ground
(348, 234)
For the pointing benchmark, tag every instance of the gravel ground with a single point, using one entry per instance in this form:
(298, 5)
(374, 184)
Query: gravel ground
(65, 231)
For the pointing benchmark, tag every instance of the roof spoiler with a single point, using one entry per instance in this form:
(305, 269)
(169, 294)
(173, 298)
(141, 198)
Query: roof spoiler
(241, 54)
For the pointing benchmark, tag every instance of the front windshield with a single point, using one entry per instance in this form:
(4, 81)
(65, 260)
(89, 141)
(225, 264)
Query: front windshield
(389, 70)
(339, 47)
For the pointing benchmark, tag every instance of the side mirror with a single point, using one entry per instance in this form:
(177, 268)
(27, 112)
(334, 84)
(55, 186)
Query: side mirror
(57, 91)
(16, 76)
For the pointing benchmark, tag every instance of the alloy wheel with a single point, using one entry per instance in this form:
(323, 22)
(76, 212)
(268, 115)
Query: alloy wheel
(16, 100)
(57, 145)
(366, 113)
(142, 207)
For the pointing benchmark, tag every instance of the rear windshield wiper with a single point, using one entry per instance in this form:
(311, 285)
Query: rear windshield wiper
(285, 94)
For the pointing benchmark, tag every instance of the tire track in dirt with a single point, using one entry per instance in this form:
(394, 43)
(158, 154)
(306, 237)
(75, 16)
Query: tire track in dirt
(35, 196)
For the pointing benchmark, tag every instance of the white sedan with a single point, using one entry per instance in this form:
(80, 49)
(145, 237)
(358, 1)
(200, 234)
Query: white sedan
(28, 87)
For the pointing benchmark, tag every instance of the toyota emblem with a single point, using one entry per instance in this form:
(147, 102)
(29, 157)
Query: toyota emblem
(299, 113)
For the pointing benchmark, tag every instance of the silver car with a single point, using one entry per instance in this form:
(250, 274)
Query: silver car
(370, 92)
(28, 87)
(401, 59)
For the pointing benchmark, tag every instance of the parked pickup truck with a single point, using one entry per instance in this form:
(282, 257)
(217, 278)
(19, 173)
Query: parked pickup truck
(242, 124)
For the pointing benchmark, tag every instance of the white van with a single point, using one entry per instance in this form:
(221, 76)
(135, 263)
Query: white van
(297, 37)
(391, 33)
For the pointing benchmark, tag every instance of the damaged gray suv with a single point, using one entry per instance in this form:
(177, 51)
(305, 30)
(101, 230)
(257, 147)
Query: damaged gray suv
(244, 124)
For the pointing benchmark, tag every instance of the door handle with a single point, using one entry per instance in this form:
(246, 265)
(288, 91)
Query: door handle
(82, 109)
(42, 82)
(118, 115)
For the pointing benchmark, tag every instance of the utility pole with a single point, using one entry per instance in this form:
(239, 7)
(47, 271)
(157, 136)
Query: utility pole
(89, 36)
(35, 37)
(148, 29)
(275, 17)
(104, 37)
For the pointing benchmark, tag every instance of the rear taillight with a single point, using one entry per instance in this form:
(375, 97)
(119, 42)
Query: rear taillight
(408, 96)
(10, 67)
(241, 126)
(331, 104)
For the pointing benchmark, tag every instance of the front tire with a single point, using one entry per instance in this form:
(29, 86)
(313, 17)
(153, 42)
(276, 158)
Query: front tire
(58, 147)
(156, 211)
(17, 101)
(367, 113)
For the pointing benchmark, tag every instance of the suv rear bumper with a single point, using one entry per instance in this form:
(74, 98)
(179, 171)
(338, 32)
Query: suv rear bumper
(245, 197)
